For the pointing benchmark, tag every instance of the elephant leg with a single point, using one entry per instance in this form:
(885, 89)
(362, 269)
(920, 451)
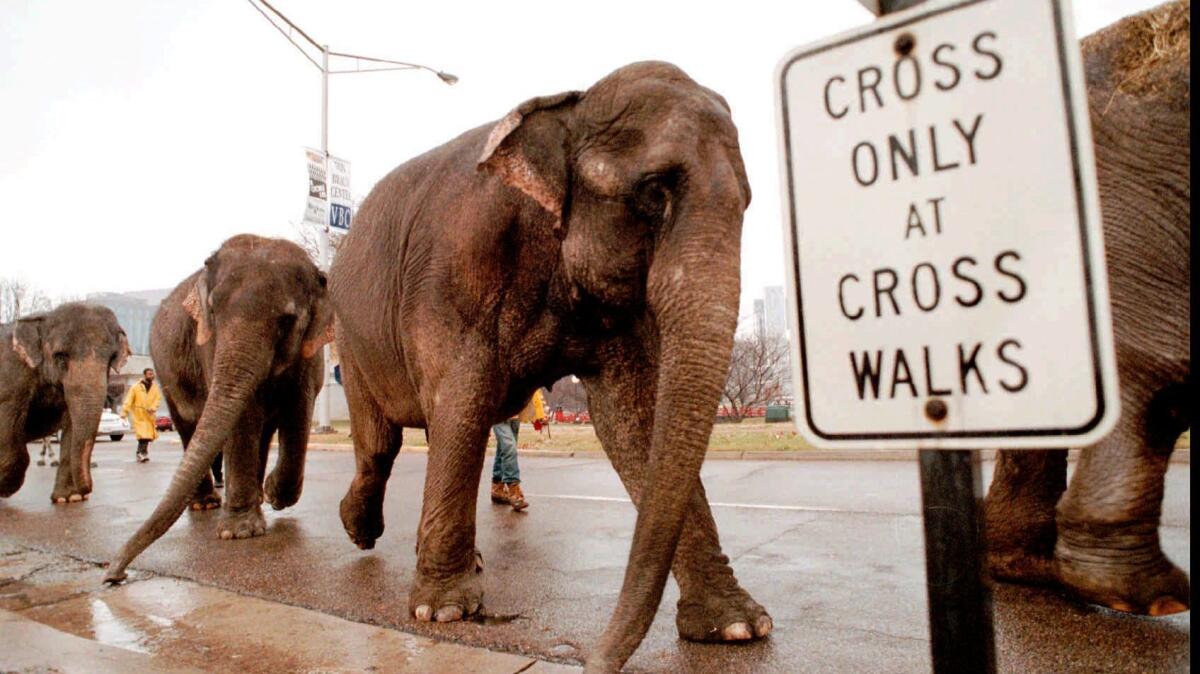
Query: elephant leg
(264, 449)
(241, 515)
(376, 444)
(1108, 549)
(712, 605)
(14, 455)
(286, 480)
(448, 584)
(66, 485)
(1019, 514)
(206, 497)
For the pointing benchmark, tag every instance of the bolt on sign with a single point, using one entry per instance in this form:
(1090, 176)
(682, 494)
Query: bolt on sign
(947, 280)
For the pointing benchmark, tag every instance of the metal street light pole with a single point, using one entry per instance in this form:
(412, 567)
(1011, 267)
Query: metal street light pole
(324, 413)
(289, 30)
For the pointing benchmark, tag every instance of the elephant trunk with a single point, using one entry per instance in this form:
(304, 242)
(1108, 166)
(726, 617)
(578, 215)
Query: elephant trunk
(693, 297)
(240, 364)
(86, 387)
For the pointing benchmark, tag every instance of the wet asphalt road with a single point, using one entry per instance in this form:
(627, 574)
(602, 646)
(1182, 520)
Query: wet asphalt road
(833, 549)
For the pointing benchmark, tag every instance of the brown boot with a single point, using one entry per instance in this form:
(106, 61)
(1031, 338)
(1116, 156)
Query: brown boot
(515, 497)
(500, 493)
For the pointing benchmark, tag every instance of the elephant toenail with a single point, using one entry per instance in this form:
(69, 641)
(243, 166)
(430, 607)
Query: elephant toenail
(1167, 606)
(196, 506)
(448, 614)
(736, 632)
(763, 626)
(60, 500)
(424, 613)
(226, 535)
(1121, 606)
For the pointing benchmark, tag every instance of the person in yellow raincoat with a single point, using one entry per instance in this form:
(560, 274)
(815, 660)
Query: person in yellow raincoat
(141, 404)
(506, 474)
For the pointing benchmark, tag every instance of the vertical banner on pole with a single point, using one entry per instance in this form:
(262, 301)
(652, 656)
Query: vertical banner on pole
(316, 208)
(341, 203)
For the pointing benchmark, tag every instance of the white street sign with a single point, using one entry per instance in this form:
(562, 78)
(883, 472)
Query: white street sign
(316, 208)
(943, 232)
(340, 201)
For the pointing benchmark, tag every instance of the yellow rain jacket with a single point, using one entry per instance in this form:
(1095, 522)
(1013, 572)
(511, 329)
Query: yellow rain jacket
(535, 409)
(142, 406)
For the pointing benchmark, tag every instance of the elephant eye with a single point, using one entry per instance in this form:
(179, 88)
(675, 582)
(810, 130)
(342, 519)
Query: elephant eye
(60, 359)
(286, 322)
(654, 194)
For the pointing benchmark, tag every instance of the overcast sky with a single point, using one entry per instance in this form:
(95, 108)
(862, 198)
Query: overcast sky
(138, 135)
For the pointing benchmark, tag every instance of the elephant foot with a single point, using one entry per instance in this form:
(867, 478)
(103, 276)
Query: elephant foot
(362, 519)
(242, 524)
(716, 613)
(448, 599)
(60, 497)
(1142, 581)
(206, 500)
(281, 493)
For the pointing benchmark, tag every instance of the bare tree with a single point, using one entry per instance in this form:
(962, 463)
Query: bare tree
(567, 393)
(306, 237)
(757, 371)
(18, 298)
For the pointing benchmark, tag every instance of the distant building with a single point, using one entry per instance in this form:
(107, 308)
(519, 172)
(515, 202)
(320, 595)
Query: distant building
(760, 326)
(135, 311)
(775, 323)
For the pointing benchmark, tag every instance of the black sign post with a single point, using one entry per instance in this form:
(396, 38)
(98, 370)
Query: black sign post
(960, 605)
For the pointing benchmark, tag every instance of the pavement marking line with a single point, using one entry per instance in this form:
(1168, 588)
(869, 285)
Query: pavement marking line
(748, 506)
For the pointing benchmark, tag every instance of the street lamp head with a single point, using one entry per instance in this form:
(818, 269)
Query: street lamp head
(447, 77)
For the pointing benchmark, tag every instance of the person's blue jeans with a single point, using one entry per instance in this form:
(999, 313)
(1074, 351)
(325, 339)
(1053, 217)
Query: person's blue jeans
(505, 468)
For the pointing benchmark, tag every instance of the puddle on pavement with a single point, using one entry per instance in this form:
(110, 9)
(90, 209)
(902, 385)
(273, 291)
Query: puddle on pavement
(111, 630)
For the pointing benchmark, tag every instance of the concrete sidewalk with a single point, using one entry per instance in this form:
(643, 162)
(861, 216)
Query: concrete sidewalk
(56, 616)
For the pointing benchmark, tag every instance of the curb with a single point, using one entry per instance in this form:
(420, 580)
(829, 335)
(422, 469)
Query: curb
(1181, 455)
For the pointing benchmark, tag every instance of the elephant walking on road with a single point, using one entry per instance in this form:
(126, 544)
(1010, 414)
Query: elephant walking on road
(238, 350)
(54, 371)
(1099, 540)
(594, 233)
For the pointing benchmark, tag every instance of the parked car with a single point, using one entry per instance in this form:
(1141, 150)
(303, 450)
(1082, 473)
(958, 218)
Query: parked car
(112, 425)
(164, 424)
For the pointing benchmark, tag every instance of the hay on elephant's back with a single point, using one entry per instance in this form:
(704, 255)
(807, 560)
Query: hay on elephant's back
(1152, 42)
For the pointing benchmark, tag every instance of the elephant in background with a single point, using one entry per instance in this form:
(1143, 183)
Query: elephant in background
(1100, 540)
(238, 349)
(594, 233)
(54, 370)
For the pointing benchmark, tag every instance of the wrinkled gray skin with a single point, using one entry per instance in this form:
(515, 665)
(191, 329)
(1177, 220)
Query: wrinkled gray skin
(238, 350)
(1100, 540)
(593, 233)
(54, 371)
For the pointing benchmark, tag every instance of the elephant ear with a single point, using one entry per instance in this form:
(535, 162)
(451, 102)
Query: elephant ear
(27, 340)
(196, 304)
(528, 151)
(321, 328)
(123, 352)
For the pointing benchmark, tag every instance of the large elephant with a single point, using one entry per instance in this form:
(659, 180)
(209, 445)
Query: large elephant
(54, 371)
(1102, 542)
(593, 233)
(238, 350)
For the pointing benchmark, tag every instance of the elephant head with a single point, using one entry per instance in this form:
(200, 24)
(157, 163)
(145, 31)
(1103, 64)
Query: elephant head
(643, 181)
(259, 312)
(71, 348)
